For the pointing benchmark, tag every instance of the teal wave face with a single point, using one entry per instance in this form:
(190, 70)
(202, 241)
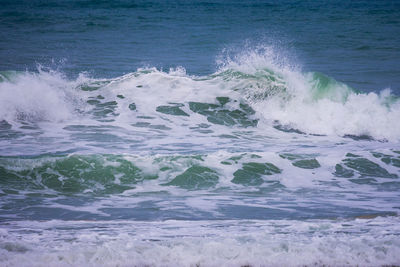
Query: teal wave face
(75, 174)
(220, 185)
(113, 174)
(7, 76)
(324, 87)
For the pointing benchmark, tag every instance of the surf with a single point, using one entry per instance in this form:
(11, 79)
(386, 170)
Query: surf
(250, 91)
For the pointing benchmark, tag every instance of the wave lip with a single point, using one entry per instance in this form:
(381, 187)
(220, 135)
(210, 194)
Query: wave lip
(310, 102)
(35, 97)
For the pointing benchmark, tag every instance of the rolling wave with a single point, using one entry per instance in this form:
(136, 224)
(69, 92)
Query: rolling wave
(249, 92)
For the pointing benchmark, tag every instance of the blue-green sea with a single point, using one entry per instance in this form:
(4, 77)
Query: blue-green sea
(199, 133)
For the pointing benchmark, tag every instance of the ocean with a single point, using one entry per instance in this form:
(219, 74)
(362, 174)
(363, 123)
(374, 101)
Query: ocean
(199, 133)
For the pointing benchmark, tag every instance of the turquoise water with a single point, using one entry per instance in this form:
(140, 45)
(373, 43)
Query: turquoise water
(183, 133)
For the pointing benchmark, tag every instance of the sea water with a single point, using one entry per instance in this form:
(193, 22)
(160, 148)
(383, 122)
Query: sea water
(190, 133)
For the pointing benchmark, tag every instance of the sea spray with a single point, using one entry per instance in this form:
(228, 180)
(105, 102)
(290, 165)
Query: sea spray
(35, 97)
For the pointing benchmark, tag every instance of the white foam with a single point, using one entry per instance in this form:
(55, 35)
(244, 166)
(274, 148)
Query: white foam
(366, 242)
(359, 115)
(35, 97)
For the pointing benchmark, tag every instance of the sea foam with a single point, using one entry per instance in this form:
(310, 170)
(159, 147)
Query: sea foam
(367, 242)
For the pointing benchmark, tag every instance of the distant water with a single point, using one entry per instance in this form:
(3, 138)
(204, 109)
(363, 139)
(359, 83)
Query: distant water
(189, 133)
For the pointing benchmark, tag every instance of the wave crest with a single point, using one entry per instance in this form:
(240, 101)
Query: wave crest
(310, 102)
(34, 97)
(278, 93)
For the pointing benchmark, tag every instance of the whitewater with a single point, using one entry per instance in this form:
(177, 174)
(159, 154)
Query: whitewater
(257, 164)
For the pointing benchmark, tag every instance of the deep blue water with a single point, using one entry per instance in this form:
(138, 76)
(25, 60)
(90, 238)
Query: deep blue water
(356, 42)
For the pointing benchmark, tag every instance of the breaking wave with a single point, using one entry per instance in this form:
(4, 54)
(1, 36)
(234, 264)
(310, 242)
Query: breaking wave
(251, 90)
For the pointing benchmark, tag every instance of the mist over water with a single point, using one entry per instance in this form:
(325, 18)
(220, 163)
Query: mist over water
(178, 134)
